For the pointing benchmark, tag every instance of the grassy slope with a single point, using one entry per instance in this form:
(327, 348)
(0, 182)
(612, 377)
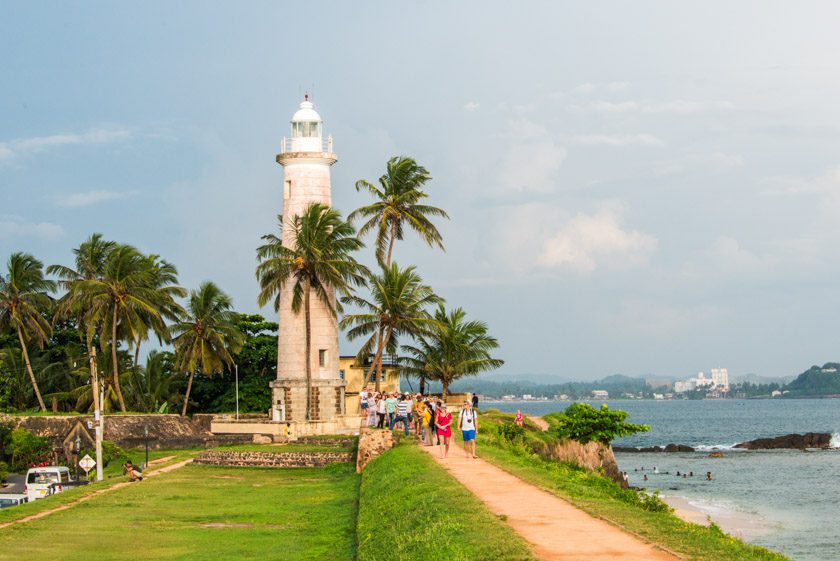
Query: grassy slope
(601, 497)
(410, 508)
(301, 514)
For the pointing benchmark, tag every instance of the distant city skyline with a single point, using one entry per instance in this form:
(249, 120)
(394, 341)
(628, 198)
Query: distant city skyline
(646, 189)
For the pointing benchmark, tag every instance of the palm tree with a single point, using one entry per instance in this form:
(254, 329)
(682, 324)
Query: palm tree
(208, 337)
(24, 295)
(397, 206)
(318, 261)
(397, 306)
(125, 295)
(91, 256)
(453, 348)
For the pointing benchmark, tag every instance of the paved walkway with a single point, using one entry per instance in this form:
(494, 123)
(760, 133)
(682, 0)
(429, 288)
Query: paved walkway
(557, 530)
(102, 491)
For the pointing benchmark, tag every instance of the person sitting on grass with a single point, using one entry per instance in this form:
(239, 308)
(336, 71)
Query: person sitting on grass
(133, 473)
(468, 424)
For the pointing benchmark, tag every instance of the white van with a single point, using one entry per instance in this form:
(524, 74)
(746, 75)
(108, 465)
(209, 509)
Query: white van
(12, 499)
(40, 480)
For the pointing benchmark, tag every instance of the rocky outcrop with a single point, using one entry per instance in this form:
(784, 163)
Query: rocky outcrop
(792, 441)
(668, 448)
(372, 443)
(592, 456)
(271, 459)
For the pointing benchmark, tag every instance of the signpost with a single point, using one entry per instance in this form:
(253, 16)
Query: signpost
(87, 463)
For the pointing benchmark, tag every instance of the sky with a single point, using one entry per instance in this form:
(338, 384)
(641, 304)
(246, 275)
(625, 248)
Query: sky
(646, 188)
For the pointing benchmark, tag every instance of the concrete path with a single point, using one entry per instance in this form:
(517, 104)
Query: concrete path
(102, 491)
(557, 530)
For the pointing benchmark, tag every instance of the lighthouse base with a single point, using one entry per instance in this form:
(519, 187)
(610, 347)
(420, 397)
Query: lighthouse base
(289, 402)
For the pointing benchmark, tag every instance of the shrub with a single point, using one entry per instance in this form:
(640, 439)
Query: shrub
(110, 453)
(27, 449)
(584, 423)
(511, 432)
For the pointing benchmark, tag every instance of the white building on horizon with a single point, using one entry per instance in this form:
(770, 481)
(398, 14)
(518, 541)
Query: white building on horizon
(720, 378)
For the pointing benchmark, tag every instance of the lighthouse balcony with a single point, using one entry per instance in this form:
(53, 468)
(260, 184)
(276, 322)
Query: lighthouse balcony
(306, 144)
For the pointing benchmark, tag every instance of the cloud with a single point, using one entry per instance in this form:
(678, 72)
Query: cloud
(17, 227)
(588, 241)
(587, 87)
(827, 183)
(679, 106)
(618, 86)
(532, 158)
(715, 161)
(88, 198)
(472, 105)
(26, 146)
(641, 139)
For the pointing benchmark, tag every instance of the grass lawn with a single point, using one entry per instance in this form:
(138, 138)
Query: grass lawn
(603, 498)
(200, 513)
(411, 509)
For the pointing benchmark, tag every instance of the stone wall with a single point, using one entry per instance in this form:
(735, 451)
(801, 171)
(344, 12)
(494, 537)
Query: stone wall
(272, 459)
(592, 456)
(372, 443)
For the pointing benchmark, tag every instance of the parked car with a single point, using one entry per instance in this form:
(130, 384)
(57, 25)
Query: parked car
(8, 500)
(40, 480)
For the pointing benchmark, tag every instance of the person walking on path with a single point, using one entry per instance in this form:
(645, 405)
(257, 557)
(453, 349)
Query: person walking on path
(391, 407)
(518, 419)
(468, 424)
(403, 409)
(444, 429)
(425, 429)
(433, 422)
(371, 409)
(363, 402)
(381, 410)
(475, 401)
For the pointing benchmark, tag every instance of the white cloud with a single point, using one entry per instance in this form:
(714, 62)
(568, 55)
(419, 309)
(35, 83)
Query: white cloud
(587, 87)
(17, 227)
(679, 106)
(472, 105)
(618, 86)
(532, 158)
(715, 161)
(601, 106)
(26, 146)
(88, 198)
(588, 241)
(641, 139)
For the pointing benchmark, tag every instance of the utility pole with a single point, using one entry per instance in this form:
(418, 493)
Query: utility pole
(98, 401)
(236, 369)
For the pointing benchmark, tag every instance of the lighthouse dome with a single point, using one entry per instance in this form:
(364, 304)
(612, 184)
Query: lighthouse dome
(306, 113)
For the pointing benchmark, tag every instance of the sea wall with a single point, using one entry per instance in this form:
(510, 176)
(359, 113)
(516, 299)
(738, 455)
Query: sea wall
(272, 459)
(592, 456)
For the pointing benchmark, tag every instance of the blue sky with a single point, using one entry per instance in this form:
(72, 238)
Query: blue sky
(644, 188)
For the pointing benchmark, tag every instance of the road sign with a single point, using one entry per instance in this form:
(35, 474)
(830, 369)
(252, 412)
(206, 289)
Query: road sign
(87, 463)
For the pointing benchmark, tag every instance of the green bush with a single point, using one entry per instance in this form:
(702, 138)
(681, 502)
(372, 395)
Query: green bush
(27, 449)
(110, 453)
(584, 423)
(4, 471)
(511, 432)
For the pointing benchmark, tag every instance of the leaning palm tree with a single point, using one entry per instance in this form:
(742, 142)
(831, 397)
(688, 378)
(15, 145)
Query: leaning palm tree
(91, 256)
(318, 260)
(453, 348)
(208, 337)
(24, 296)
(125, 296)
(397, 306)
(397, 206)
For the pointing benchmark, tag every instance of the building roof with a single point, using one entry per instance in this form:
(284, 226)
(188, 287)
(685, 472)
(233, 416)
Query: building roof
(306, 113)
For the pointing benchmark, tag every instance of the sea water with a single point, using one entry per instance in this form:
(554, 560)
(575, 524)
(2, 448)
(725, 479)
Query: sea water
(785, 500)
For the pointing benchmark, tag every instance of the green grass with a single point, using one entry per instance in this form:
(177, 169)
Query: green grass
(199, 513)
(603, 498)
(410, 508)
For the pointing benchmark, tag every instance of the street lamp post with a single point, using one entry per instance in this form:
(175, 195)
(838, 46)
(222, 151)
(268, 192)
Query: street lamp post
(146, 432)
(236, 369)
(77, 447)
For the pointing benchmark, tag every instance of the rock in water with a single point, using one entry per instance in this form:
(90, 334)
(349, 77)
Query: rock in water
(792, 441)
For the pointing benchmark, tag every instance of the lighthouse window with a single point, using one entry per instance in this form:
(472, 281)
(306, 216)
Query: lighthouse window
(306, 129)
(322, 357)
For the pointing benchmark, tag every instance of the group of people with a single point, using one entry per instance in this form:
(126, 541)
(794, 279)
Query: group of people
(427, 417)
(656, 471)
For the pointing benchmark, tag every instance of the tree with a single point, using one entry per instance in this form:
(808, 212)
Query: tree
(318, 260)
(126, 295)
(397, 306)
(583, 423)
(208, 337)
(24, 294)
(453, 348)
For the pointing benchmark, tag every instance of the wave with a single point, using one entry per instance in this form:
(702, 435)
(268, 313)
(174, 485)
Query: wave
(835, 440)
(717, 448)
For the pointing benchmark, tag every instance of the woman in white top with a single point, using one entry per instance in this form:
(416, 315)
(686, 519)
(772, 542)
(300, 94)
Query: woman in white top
(381, 410)
(371, 409)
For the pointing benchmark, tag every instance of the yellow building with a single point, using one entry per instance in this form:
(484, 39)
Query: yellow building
(354, 374)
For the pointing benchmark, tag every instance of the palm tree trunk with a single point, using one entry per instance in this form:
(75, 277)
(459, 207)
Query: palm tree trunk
(308, 322)
(369, 375)
(391, 242)
(114, 360)
(29, 369)
(136, 352)
(94, 379)
(382, 352)
(422, 385)
(445, 382)
(187, 395)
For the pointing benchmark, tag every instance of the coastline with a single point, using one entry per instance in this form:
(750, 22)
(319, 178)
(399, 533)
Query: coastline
(740, 524)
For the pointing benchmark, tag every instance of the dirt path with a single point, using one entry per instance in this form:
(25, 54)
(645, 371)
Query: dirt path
(539, 421)
(114, 487)
(557, 530)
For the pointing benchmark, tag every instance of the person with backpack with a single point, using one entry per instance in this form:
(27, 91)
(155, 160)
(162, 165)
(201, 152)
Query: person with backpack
(468, 424)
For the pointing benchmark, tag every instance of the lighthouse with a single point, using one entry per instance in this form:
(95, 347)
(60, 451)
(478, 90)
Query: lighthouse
(306, 157)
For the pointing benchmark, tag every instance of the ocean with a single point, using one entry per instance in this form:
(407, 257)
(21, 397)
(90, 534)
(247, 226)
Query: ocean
(785, 500)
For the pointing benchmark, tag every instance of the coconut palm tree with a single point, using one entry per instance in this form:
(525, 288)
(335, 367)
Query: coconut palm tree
(125, 296)
(91, 256)
(452, 349)
(317, 261)
(207, 338)
(24, 296)
(397, 306)
(397, 206)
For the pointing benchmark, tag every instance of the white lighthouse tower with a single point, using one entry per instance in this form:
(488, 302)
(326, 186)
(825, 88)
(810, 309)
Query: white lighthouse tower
(306, 159)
